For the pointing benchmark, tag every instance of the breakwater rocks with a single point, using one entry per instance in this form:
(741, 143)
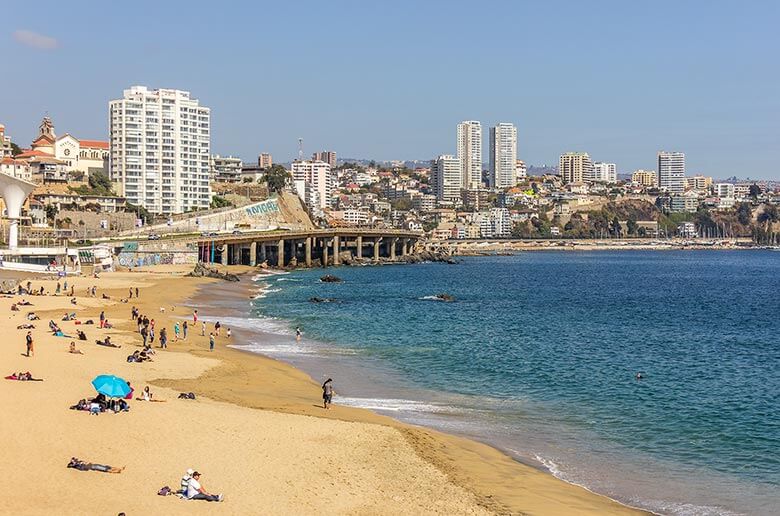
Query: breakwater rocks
(201, 271)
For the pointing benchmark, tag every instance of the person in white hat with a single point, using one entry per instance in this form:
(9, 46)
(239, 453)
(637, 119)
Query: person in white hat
(185, 481)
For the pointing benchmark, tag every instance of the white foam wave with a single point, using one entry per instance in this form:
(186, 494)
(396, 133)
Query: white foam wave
(289, 279)
(277, 349)
(262, 324)
(430, 298)
(397, 405)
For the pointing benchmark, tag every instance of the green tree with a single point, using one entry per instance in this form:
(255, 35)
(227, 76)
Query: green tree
(51, 211)
(15, 149)
(100, 182)
(142, 212)
(754, 191)
(276, 178)
(744, 213)
(219, 202)
(631, 226)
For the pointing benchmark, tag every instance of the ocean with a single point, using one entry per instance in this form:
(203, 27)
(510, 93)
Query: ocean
(538, 356)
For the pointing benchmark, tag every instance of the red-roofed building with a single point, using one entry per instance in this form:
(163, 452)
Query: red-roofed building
(72, 154)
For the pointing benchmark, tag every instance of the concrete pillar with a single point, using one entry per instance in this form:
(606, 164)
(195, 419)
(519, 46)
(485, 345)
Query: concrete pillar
(308, 252)
(325, 252)
(377, 241)
(404, 242)
(359, 247)
(280, 253)
(336, 250)
(253, 254)
(224, 256)
(392, 248)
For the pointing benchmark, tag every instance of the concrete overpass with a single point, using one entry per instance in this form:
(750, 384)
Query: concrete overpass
(307, 247)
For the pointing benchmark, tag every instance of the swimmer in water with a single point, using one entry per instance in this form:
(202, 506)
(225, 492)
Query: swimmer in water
(640, 376)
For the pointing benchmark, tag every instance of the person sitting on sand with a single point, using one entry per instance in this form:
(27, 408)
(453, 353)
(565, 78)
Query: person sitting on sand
(81, 335)
(32, 316)
(73, 349)
(107, 324)
(14, 308)
(196, 492)
(88, 466)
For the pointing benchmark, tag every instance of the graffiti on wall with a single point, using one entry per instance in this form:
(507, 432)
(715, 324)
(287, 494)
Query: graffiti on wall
(145, 259)
(262, 208)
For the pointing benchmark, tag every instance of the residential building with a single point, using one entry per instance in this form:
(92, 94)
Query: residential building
(684, 203)
(645, 177)
(671, 171)
(15, 168)
(5, 143)
(476, 198)
(469, 152)
(501, 222)
(699, 182)
(328, 157)
(352, 216)
(225, 169)
(503, 155)
(725, 190)
(521, 171)
(574, 167)
(318, 176)
(687, 230)
(252, 173)
(604, 172)
(424, 202)
(447, 178)
(160, 143)
(264, 160)
(103, 203)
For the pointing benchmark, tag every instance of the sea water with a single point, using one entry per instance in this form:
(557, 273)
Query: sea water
(538, 355)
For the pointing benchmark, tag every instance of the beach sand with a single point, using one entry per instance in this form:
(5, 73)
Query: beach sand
(256, 430)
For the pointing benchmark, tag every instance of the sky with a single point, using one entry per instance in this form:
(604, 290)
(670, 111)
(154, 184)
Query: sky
(620, 80)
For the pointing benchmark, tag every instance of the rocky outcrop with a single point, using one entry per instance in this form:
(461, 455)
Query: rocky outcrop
(9, 286)
(447, 298)
(322, 299)
(330, 278)
(201, 271)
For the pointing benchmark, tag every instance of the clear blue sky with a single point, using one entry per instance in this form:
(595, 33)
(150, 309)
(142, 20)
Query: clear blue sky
(390, 80)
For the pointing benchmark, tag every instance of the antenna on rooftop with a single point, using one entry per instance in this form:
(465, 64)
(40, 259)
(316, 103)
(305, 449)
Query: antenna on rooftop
(300, 149)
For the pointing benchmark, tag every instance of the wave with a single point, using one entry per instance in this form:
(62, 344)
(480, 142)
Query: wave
(279, 349)
(398, 405)
(297, 280)
(257, 323)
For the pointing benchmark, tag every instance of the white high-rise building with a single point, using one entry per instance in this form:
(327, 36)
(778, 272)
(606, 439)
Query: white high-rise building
(575, 167)
(604, 172)
(470, 153)
(159, 149)
(446, 178)
(316, 176)
(671, 171)
(503, 156)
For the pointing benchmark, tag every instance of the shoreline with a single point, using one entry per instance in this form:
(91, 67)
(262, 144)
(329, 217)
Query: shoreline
(346, 460)
(458, 455)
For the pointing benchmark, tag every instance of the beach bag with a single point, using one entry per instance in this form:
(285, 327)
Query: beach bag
(165, 491)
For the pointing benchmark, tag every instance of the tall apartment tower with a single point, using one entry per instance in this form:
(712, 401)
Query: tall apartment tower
(313, 176)
(470, 153)
(447, 178)
(671, 171)
(328, 157)
(264, 160)
(604, 172)
(575, 167)
(503, 156)
(159, 149)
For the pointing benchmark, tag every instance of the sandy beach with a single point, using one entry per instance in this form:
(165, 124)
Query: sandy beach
(256, 431)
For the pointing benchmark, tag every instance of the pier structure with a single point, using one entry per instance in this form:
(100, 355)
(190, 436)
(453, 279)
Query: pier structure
(316, 247)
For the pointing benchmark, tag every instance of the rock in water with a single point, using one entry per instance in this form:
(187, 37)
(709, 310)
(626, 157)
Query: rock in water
(447, 298)
(201, 271)
(330, 278)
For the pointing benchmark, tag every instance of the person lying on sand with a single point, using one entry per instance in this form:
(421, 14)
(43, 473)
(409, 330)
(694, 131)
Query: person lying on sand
(74, 350)
(107, 343)
(24, 302)
(32, 316)
(23, 377)
(25, 327)
(88, 466)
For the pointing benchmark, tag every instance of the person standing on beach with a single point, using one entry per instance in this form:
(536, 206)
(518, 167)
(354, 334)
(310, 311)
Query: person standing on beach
(298, 333)
(30, 349)
(71, 291)
(136, 291)
(217, 326)
(102, 318)
(144, 334)
(184, 329)
(211, 341)
(176, 331)
(164, 338)
(195, 317)
(327, 393)
(130, 291)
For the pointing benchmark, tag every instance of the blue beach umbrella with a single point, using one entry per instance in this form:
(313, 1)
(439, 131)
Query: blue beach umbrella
(111, 386)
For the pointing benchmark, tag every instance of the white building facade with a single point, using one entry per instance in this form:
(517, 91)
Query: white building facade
(447, 178)
(315, 176)
(671, 171)
(604, 173)
(503, 156)
(159, 149)
(469, 152)
(225, 169)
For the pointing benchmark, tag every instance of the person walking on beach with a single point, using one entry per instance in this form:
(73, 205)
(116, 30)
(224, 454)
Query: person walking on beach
(184, 329)
(71, 291)
(136, 291)
(203, 328)
(217, 326)
(57, 291)
(130, 291)
(102, 318)
(144, 334)
(140, 322)
(176, 331)
(327, 393)
(164, 338)
(30, 349)
(195, 317)
(298, 333)
(211, 341)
